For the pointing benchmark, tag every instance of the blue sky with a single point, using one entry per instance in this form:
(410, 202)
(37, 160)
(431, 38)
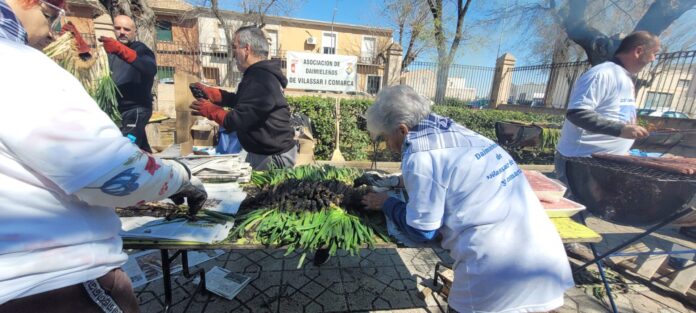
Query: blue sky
(366, 12)
(482, 52)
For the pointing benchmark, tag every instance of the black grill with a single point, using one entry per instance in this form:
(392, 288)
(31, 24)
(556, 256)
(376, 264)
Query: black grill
(628, 194)
(631, 169)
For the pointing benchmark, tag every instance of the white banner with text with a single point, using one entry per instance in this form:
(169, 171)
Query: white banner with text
(328, 72)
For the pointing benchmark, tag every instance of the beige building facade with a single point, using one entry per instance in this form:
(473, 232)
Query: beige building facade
(191, 40)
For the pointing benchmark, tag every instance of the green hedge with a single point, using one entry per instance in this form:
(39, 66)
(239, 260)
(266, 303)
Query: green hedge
(321, 110)
(483, 121)
(355, 141)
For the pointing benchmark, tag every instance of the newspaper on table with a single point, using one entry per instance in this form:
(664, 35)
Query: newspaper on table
(145, 266)
(224, 198)
(180, 229)
(225, 283)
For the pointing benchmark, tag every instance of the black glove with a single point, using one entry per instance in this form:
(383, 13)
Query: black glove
(194, 193)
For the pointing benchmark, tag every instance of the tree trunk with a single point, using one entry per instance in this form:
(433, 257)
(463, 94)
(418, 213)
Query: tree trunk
(600, 47)
(560, 55)
(227, 81)
(442, 76)
(445, 56)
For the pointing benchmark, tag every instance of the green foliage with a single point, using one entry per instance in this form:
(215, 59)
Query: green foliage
(322, 111)
(483, 121)
(354, 139)
(455, 102)
(356, 143)
(550, 137)
(306, 172)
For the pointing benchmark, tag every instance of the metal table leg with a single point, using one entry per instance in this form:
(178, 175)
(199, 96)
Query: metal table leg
(600, 266)
(672, 218)
(687, 209)
(167, 275)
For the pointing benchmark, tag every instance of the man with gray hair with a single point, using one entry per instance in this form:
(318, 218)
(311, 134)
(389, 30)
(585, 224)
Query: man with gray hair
(260, 114)
(464, 187)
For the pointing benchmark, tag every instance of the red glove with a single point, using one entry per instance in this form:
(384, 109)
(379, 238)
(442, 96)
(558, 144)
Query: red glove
(82, 47)
(114, 46)
(208, 110)
(213, 94)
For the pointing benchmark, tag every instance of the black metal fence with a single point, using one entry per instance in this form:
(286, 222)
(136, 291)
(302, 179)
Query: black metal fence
(667, 86)
(664, 88)
(466, 85)
(546, 85)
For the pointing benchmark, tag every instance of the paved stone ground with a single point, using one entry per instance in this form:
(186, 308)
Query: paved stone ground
(381, 280)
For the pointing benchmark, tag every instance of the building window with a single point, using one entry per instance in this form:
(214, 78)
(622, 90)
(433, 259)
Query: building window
(165, 74)
(373, 84)
(211, 75)
(658, 100)
(683, 83)
(164, 31)
(367, 53)
(329, 42)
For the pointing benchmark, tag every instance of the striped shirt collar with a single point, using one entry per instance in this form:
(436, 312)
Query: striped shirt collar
(10, 27)
(436, 132)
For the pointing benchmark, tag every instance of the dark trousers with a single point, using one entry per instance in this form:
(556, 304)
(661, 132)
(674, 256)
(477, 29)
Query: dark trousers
(110, 293)
(133, 123)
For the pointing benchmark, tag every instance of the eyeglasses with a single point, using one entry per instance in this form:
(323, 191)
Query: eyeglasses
(53, 14)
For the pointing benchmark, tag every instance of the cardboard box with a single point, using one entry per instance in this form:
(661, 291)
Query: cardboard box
(304, 159)
(203, 134)
(306, 146)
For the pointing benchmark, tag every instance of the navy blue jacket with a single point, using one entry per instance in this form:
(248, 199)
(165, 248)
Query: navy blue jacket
(134, 80)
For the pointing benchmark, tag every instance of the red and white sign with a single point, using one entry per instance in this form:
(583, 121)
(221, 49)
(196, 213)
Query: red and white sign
(328, 72)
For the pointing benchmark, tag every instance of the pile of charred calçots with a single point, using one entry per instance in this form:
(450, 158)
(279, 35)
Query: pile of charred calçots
(308, 208)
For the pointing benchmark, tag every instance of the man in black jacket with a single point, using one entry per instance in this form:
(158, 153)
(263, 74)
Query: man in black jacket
(133, 69)
(260, 114)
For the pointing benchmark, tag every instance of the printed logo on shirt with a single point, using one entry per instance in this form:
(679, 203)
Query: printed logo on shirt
(151, 166)
(134, 158)
(122, 184)
(627, 113)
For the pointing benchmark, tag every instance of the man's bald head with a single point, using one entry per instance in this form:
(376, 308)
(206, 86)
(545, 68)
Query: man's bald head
(124, 29)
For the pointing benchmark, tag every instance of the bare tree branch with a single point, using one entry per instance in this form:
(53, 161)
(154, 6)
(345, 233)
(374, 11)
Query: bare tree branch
(662, 13)
(624, 11)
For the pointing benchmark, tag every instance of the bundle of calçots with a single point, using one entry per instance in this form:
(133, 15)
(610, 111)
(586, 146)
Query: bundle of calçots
(93, 73)
(307, 172)
(308, 208)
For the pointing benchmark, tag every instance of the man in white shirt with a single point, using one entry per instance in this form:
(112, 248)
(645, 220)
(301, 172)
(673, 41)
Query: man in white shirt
(601, 113)
(62, 172)
(464, 187)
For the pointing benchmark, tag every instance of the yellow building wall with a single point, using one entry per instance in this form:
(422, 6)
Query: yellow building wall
(349, 41)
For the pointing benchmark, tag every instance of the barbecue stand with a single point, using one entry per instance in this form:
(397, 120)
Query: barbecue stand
(516, 135)
(629, 195)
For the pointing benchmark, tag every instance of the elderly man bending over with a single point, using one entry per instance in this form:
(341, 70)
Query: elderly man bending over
(464, 187)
